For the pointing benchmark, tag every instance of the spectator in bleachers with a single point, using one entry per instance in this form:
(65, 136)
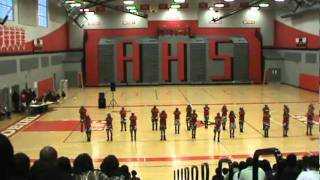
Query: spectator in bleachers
(6, 157)
(134, 175)
(266, 167)
(21, 167)
(291, 171)
(124, 171)
(83, 163)
(218, 175)
(47, 167)
(65, 165)
(15, 99)
(312, 173)
(110, 166)
(246, 173)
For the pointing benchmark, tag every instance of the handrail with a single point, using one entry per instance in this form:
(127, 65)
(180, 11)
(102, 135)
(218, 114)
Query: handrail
(205, 173)
(194, 176)
(268, 151)
(229, 162)
(187, 173)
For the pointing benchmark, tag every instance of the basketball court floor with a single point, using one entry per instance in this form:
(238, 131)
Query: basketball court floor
(155, 159)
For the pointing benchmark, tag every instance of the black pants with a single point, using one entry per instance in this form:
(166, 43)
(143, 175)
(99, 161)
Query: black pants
(133, 133)
(123, 126)
(163, 135)
(215, 133)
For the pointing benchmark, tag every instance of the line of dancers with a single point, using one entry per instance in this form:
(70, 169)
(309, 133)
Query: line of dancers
(220, 121)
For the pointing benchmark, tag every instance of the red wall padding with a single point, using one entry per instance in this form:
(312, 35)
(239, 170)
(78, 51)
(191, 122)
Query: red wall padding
(44, 86)
(251, 34)
(213, 46)
(285, 37)
(309, 82)
(166, 58)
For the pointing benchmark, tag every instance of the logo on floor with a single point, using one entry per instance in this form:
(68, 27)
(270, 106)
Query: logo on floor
(11, 130)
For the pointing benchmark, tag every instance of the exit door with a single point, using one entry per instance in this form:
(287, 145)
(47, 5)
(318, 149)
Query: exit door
(275, 74)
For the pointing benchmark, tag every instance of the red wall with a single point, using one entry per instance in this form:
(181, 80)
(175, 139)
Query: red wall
(251, 34)
(44, 86)
(285, 37)
(309, 82)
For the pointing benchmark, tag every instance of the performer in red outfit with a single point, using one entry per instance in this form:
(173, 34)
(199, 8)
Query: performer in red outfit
(133, 127)
(109, 127)
(82, 112)
(232, 118)
(217, 127)
(224, 111)
(188, 116)
(241, 118)
(285, 122)
(87, 126)
(310, 116)
(177, 121)
(123, 121)
(163, 125)
(154, 118)
(193, 124)
(266, 123)
(206, 111)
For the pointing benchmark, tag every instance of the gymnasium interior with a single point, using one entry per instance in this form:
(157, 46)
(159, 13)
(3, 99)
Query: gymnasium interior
(255, 62)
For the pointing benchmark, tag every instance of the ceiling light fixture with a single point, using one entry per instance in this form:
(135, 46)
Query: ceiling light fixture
(131, 7)
(219, 5)
(175, 6)
(179, 1)
(228, 0)
(254, 8)
(264, 5)
(128, 2)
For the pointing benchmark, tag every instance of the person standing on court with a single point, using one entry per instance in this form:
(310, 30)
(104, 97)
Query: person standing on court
(241, 119)
(177, 121)
(188, 116)
(266, 122)
(217, 127)
(193, 124)
(87, 125)
(206, 111)
(123, 120)
(163, 125)
(154, 118)
(285, 122)
(232, 119)
(82, 112)
(109, 127)
(224, 111)
(133, 127)
(310, 116)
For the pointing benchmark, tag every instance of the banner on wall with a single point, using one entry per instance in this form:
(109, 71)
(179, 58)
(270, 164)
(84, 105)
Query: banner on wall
(12, 39)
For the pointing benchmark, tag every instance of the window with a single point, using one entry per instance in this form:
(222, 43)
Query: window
(42, 13)
(5, 7)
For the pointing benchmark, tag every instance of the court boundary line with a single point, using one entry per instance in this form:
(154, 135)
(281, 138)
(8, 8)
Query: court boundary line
(197, 104)
(194, 158)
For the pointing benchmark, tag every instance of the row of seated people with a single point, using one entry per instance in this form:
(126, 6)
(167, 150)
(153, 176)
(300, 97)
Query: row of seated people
(51, 167)
(4, 112)
(289, 168)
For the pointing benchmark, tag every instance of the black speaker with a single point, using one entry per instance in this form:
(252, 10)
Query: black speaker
(102, 100)
(113, 86)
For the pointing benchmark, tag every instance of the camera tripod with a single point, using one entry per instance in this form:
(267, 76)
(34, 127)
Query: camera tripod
(113, 102)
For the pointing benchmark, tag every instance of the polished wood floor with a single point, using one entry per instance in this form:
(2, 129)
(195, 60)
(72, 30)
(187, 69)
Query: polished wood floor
(155, 159)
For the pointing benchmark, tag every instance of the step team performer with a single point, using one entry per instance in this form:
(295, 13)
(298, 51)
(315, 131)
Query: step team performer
(163, 125)
(109, 127)
(193, 124)
(232, 119)
(206, 111)
(177, 121)
(82, 112)
(266, 121)
(241, 118)
(224, 111)
(123, 121)
(87, 126)
(310, 116)
(154, 118)
(188, 116)
(133, 127)
(217, 127)
(285, 122)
